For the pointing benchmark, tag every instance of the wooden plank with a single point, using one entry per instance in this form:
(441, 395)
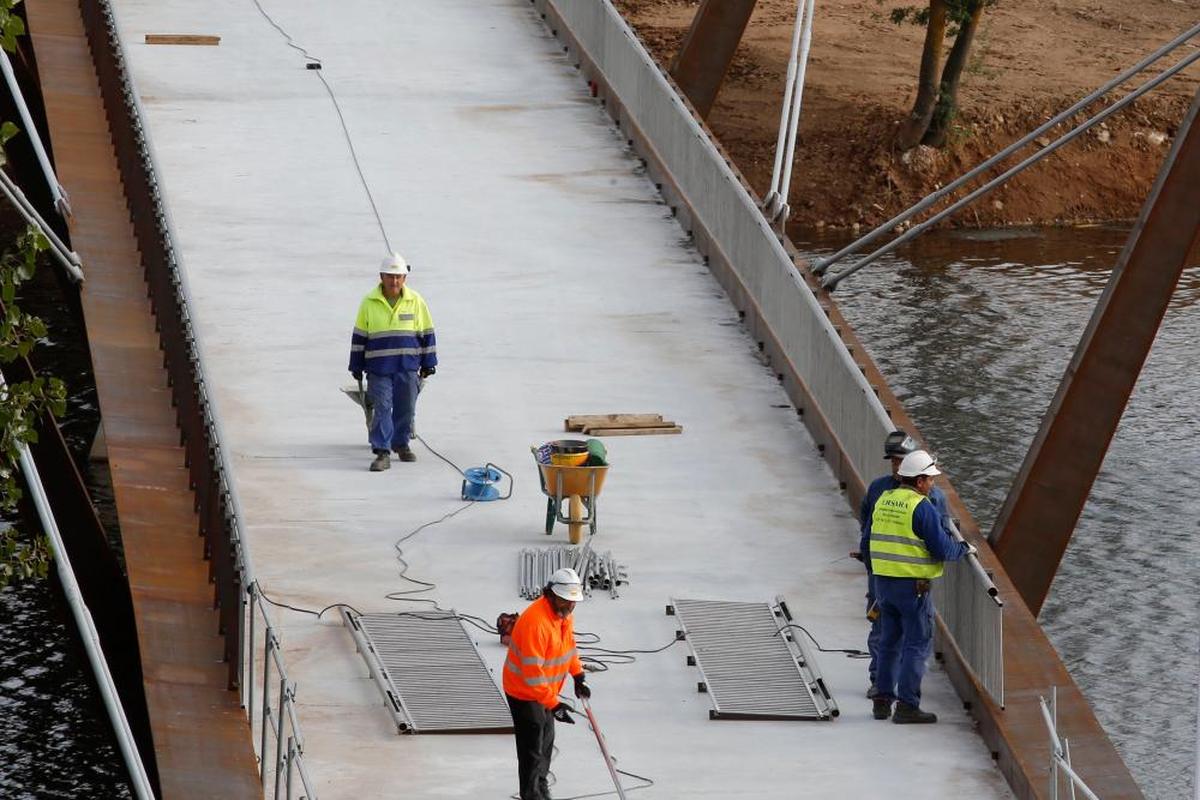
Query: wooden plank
(634, 431)
(580, 421)
(601, 426)
(183, 38)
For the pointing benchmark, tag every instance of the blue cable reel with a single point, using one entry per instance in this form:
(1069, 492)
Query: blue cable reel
(479, 483)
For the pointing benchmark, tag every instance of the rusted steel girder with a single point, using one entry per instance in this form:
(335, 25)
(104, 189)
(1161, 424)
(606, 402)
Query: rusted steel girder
(707, 50)
(1039, 515)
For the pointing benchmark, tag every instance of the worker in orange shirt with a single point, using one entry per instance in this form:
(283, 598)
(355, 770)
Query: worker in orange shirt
(541, 653)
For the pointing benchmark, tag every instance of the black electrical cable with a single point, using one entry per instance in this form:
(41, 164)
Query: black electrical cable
(316, 614)
(427, 586)
(314, 65)
(440, 613)
(850, 652)
(456, 467)
(552, 779)
(607, 657)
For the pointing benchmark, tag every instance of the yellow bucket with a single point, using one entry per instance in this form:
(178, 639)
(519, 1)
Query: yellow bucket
(568, 453)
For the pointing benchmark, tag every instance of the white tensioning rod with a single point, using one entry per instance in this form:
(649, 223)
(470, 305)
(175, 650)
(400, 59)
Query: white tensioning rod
(775, 204)
(61, 204)
(824, 264)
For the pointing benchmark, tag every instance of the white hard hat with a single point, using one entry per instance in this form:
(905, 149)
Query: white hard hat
(566, 584)
(394, 265)
(918, 462)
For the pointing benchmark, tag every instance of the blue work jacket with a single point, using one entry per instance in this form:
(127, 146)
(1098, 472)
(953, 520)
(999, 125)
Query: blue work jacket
(882, 484)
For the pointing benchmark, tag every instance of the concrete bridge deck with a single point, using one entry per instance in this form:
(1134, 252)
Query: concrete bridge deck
(559, 284)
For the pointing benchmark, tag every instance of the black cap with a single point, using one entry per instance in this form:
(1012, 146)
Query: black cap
(898, 444)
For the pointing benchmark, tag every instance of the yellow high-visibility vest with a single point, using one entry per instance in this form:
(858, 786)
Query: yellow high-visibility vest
(896, 551)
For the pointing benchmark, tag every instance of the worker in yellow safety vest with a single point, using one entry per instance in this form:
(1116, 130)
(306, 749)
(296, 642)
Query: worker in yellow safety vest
(909, 546)
(394, 345)
(541, 654)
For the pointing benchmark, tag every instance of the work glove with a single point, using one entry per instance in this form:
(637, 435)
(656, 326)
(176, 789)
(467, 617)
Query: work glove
(425, 372)
(562, 713)
(356, 374)
(971, 549)
(582, 690)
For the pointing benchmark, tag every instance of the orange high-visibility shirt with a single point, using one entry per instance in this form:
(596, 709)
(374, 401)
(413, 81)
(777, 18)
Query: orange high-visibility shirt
(541, 653)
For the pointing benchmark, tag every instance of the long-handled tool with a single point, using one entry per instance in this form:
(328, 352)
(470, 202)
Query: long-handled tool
(612, 768)
(361, 398)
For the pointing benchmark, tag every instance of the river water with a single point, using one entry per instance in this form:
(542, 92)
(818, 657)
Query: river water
(973, 331)
(55, 740)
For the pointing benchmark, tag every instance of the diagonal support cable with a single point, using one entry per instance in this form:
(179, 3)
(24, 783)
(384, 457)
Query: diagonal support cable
(820, 267)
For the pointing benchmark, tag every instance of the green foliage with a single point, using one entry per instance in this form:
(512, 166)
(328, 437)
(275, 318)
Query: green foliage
(11, 26)
(917, 15)
(21, 560)
(20, 403)
(957, 12)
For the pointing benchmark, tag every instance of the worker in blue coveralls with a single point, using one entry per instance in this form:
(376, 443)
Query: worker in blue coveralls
(896, 446)
(909, 546)
(393, 343)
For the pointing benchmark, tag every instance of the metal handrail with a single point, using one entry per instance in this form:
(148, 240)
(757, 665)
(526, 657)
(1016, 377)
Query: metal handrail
(969, 605)
(139, 779)
(220, 510)
(1060, 752)
(981, 573)
(824, 264)
(273, 718)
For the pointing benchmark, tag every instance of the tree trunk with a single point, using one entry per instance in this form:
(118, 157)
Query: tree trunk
(913, 128)
(947, 104)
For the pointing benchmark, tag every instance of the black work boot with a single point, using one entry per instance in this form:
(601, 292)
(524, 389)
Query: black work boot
(911, 715)
(544, 788)
(405, 453)
(382, 461)
(882, 708)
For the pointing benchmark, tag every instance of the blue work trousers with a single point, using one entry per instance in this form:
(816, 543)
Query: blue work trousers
(905, 638)
(874, 634)
(393, 407)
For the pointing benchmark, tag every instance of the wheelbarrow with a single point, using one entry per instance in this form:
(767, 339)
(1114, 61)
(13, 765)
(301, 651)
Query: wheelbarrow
(579, 486)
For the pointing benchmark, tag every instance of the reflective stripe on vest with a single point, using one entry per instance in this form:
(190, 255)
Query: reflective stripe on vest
(896, 551)
(515, 656)
(541, 654)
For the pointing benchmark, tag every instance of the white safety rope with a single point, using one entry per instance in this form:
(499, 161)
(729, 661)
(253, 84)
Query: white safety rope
(775, 204)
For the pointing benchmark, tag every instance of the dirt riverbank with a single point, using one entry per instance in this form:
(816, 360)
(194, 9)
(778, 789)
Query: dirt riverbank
(1031, 59)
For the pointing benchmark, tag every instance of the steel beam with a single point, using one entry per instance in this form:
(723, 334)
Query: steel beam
(707, 50)
(1039, 515)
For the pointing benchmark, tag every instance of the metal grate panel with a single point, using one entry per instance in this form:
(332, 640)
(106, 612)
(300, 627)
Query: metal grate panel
(430, 673)
(750, 669)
